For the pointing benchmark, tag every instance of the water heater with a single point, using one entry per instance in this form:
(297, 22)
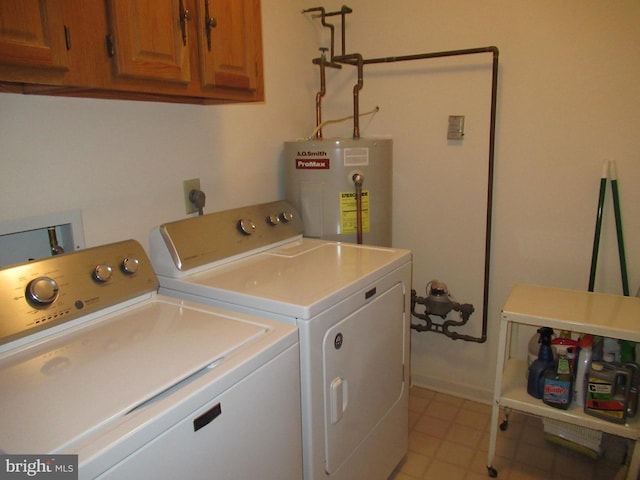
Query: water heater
(321, 181)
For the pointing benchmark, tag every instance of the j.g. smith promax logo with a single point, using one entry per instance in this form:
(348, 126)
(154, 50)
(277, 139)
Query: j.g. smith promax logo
(312, 164)
(51, 467)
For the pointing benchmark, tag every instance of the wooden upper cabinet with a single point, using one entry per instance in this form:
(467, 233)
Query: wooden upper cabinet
(149, 39)
(32, 34)
(230, 43)
(188, 51)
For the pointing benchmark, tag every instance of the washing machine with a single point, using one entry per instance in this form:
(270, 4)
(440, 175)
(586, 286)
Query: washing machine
(102, 377)
(351, 304)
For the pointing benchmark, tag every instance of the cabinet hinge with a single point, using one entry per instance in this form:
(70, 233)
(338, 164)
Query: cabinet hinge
(67, 37)
(111, 51)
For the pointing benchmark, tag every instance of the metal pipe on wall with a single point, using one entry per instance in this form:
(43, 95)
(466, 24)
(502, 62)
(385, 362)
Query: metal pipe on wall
(321, 93)
(359, 62)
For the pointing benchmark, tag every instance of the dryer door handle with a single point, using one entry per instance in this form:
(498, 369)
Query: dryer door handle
(339, 398)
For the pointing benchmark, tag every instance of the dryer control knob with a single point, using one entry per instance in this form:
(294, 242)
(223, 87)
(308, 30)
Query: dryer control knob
(273, 220)
(286, 217)
(246, 226)
(130, 265)
(102, 273)
(42, 291)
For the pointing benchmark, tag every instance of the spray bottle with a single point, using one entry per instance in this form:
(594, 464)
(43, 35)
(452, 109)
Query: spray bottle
(535, 380)
(584, 362)
(558, 380)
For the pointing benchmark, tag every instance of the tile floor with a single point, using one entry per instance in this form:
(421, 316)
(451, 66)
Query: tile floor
(449, 440)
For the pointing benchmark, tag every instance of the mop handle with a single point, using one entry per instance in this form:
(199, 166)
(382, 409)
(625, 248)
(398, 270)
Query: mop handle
(616, 210)
(596, 236)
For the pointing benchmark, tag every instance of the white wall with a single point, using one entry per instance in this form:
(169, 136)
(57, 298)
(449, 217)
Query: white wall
(569, 97)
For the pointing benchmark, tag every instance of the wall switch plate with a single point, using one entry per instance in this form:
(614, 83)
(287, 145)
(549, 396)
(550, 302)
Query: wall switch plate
(187, 186)
(456, 127)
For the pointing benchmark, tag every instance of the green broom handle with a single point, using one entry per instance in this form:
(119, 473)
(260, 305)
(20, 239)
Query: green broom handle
(616, 210)
(596, 237)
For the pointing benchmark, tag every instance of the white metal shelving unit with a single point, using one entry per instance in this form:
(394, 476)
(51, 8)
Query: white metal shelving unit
(577, 311)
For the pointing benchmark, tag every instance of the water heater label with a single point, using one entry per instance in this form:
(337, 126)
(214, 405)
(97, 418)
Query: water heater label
(349, 214)
(356, 157)
(312, 163)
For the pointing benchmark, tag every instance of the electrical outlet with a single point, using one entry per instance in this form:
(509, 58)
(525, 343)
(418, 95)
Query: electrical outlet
(187, 186)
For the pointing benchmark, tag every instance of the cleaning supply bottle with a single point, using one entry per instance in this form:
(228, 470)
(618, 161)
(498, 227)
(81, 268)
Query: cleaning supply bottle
(611, 346)
(534, 348)
(562, 343)
(627, 351)
(558, 380)
(583, 364)
(632, 392)
(535, 379)
(607, 391)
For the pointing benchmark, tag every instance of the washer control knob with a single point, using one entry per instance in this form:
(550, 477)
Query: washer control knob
(286, 217)
(273, 220)
(130, 265)
(42, 291)
(246, 226)
(102, 273)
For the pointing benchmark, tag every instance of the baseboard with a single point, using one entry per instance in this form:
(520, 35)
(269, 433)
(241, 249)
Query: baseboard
(452, 388)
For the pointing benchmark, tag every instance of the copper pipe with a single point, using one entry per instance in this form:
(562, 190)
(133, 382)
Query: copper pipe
(343, 11)
(355, 59)
(322, 16)
(321, 93)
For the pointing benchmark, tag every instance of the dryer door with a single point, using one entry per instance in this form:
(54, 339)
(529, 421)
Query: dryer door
(363, 373)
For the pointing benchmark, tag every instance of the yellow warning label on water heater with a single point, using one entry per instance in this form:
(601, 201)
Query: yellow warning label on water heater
(349, 213)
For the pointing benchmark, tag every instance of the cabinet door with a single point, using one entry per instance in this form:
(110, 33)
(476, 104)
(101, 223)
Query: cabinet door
(32, 34)
(230, 43)
(150, 39)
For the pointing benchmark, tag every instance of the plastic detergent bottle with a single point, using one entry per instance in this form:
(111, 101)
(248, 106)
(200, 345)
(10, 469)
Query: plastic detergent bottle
(535, 378)
(582, 367)
(607, 392)
(632, 394)
(562, 344)
(558, 380)
(611, 346)
(627, 351)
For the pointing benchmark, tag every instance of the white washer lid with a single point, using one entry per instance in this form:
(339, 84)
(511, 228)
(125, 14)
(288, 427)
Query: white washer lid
(61, 389)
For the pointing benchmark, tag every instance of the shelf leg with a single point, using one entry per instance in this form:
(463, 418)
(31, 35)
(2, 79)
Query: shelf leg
(505, 422)
(493, 437)
(495, 409)
(634, 465)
